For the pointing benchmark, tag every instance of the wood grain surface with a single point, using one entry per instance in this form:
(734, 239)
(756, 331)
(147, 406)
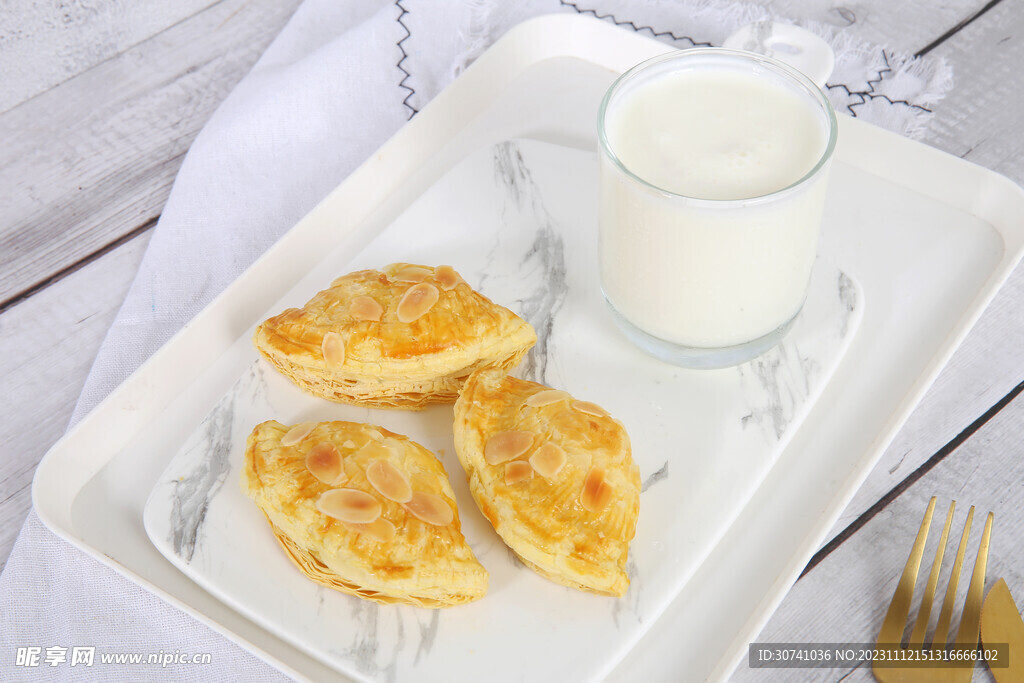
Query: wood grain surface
(93, 158)
(101, 101)
(899, 26)
(47, 345)
(46, 44)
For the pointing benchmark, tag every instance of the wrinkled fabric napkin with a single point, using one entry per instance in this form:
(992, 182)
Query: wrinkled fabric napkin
(339, 80)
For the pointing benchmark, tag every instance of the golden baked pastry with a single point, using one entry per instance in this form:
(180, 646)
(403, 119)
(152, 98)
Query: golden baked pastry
(364, 511)
(555, 477)
(401, 337)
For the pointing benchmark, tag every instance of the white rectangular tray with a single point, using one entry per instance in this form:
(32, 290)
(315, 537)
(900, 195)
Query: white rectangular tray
(929, 237)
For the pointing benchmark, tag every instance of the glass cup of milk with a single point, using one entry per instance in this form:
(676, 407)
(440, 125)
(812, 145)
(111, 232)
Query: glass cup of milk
(714, 166)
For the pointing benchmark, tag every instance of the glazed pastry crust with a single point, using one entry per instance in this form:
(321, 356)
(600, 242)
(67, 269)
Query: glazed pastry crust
(389, 363)
(423, 565)
(543, 520)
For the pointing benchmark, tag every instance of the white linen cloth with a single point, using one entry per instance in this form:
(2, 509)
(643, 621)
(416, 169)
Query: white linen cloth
(341, 78)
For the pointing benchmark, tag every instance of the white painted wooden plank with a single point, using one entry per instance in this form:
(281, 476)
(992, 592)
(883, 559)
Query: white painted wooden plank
(47, 345)
(43, 44)
(93, 158)
(844, 598)
(901, 26)
(980, 119)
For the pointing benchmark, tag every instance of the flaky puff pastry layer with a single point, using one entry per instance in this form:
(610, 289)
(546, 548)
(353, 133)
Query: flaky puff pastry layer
(422, 564)
(355, 342)
(555, 477)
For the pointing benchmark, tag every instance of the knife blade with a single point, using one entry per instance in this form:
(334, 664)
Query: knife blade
(1001, 623)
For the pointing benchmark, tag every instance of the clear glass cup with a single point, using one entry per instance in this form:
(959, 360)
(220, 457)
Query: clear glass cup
(714, 166)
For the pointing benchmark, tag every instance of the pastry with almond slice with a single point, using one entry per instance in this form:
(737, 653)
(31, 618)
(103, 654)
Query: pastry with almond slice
(364, 511)
(554, 475)
(404, 336)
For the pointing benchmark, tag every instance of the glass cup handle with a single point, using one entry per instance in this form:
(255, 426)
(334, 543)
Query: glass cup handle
(798, 47)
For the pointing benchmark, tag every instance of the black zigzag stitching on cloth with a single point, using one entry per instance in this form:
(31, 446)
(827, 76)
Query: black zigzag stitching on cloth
(880, 74)
(638, 29)
(870, 93)
(412, 110)
(864, 95)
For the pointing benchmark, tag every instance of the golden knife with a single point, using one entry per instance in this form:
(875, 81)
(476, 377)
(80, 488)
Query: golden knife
(1001, 623)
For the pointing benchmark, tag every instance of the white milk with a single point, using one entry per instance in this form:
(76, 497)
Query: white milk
(711, 273)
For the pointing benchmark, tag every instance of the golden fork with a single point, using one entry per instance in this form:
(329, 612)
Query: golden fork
(918, 662)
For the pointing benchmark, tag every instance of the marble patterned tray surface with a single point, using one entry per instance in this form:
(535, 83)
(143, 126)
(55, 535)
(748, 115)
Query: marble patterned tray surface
(518, 221)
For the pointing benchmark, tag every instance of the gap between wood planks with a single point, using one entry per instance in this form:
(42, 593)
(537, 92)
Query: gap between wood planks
(84, 261)
(910, 480)
(956, 29)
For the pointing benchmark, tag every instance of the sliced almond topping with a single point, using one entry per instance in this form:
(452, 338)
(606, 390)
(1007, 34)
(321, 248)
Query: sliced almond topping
(324, 462)
(517, 471)
(596, 490)
(380, 529)
(546, 397)
(505, 446)
(365, 308)
(333, 349)
(412, 274)
(447, 277)
(297, 433)
(389, 481)
(590, 408)
(375, 435)
(416, 301)
(430, 508)
(349, 443)
(349, 505)
(375, 450)
(548, 460)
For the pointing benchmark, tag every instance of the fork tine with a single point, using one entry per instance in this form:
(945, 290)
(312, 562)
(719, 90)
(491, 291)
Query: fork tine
(970, 622)
(924, 612)
(891, 633)
(942, 629)
(899, 609)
